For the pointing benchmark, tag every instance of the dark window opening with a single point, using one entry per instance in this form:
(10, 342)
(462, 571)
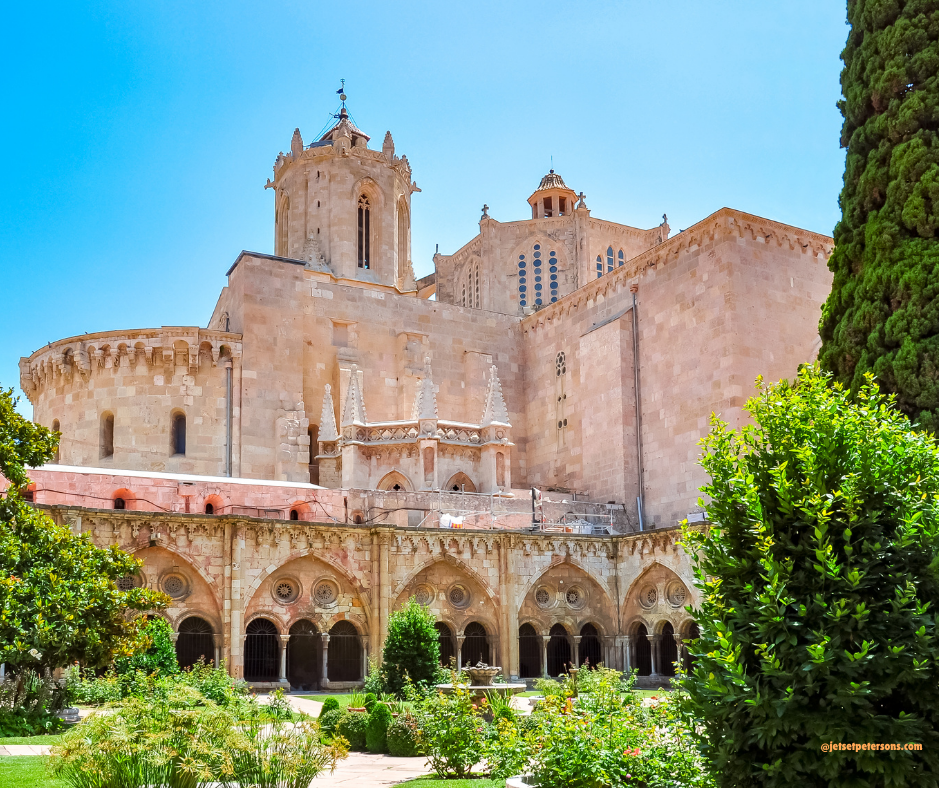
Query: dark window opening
(314, 433)
(120, 503)
(195, 643)
(262, 651)
(548, 208)
(668, 650)
(344, 653)
(364, 241)
(397, 487)
(294, 514)
(475, 645)
(179, 433)
(529, 652)
(559, 651)
(107, 435)
(562, 205)
(304, 656)
(642, 652)
(589, 651)
(445, 639)
(209, 509)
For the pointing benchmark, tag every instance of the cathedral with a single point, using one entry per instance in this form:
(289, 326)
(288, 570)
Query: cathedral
(512, 440)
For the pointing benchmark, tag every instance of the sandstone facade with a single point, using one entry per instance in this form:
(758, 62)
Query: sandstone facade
(566, 353)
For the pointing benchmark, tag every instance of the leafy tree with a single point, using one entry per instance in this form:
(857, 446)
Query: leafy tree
(411, 647)
(58, 600)
(819, 592)
(883, 312)
(376, 733)
(154, 651)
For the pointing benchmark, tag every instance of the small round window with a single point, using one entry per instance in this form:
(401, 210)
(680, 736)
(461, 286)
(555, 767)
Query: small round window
(285, 590)
(459, 596)
(677, 594)
(126, 583)
(325, 593)
(648, 596)
(424, 595)
(575, 597)
(543, 597)
(175, 586)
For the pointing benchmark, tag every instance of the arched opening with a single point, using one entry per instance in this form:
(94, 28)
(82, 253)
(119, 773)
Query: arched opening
(209, 509)
(688, 661)
(668, 650)
(358, 517)
(460, 482)
(120, 503)
(345, 653)
(294, 514)
(178, 434)
(304, 656)
(475, 645)
(395, 481)
(364, 232)
(195, 642)
(262, 651)
(529, 652)
(609, 259)
(403, 253)
(107, 435)
(55, 428)
(620, 257)
(559, 651)
(589, 652)
(314, 434)
(642, 651)
(445, 639)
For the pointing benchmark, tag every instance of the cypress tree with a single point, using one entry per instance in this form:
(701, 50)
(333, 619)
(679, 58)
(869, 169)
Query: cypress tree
(883, 313)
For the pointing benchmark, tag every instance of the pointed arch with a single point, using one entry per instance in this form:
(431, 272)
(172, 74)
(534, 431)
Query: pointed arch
(395, 477)
(460, 482)
(642, 577)
(196, 570)
(601, 583)
(446, 558)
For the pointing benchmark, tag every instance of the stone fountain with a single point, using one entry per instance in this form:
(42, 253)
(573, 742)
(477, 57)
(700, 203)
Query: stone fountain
(481, 676)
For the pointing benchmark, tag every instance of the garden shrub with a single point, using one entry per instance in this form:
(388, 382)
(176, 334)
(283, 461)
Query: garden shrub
(451, 732)
(507, 751)
(28, 704)
(370, 701)
(330, 719)
(328, 705)
(374, 680)
(402, 736)
(412, 648)
(155, 651)
(351, 727)
(819, 591)
(377, 731)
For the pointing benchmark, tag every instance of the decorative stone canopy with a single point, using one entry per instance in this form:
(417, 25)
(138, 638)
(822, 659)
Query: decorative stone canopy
(552, 181)
(552, 198)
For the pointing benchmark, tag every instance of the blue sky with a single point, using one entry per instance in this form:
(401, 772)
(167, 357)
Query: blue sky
(137, 137)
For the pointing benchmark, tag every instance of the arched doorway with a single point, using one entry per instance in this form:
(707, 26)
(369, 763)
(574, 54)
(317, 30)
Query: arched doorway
(195, 642)
(668, 650)
(642, 651)
(589, 652)
(304, 656)
(475, 645)
(344, 660)
(693, 633)
(559, 651)
(445, 639)
(262, 651)
(529, 652)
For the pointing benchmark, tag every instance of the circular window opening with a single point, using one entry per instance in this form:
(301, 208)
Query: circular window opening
(459, 596)
(677, 595)
(286, 590)
(648, 596)
(126, 583)
(325, 593)
(543, 597)
(174, 586)
(575, 597)
(424, 595)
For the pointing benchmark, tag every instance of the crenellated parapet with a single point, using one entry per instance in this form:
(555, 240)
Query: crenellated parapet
(107, 352)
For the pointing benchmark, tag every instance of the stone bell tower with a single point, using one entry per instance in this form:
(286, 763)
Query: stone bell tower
(343, 208)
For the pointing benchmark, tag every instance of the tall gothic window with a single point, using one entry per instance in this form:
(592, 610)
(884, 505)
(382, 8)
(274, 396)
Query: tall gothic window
(178, 436)
(536, 270)
(364, 239)
(560, 365)
(620, 257)
(553, 275)
(599, 266)
(522, 281)
(609, 259)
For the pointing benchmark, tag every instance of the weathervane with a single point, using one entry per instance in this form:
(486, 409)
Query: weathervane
(342, 94)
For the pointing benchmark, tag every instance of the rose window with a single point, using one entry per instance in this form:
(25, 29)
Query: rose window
(678, 595)
(542, 597)
(574, 597)
(285, 590)
(458, 596)
(424, 595)
(648, 597)
(126, 583)
(325, 593)
(174, 586)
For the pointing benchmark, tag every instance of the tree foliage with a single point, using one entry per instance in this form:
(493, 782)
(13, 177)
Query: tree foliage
(58, 599)
(154, 651)
(820, 592)
(411, 648)
(883, 312)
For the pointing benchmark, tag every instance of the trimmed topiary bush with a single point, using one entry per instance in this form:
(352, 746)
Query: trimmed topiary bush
(377, 730)
(370, 701)
(819, 593)
(411, 648)
(401, 736)
(352, 726)
(330, 720)
(329, 705)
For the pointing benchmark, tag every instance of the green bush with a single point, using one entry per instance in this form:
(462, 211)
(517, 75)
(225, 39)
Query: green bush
(28, 704)
(377, 731)
(352, 726)
(330, 719)
(328, 705)
(411, 647)
(451, 732)
(156, 652)
(374, 680)
(402, 736)
(819, 592)
(370, 701)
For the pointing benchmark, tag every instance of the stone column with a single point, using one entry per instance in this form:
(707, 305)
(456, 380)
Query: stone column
(384, 589)
(363, 639)
(627, 658)
(577, 639)
(459, 650)
(284, 639)
(678, 650)
(237, 635)
(374, 596)
(544, 655)
(654, 649)
(324, 679)
(217, 643)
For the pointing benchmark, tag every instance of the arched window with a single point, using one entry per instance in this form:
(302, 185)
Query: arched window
(195, 642)
(620, 257)
(178, 436)
(536, 270)
(475, 645)
(314, 434)
(294, 514)
(262, 651)
(476, 286)
(364, 233)
(445, 639)
(588, 651)
(529, 652)
(553, 275)
(560, 368)
(559, 651)
(209, 509)
(609, 259)
(668, 650)
(522, 281)
(642, 651)
(599, 266)
(304, 656)
(107, 435)
(120, 503)
(344, 654)
(55, 428)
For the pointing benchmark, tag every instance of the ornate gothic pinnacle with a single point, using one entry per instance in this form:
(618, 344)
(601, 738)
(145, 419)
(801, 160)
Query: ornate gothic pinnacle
(425, 405)
(495, 410)
(354, 412)
(328, 431)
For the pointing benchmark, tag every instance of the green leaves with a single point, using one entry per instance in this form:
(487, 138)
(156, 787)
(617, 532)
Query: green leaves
(820, 591)
(411, 648)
